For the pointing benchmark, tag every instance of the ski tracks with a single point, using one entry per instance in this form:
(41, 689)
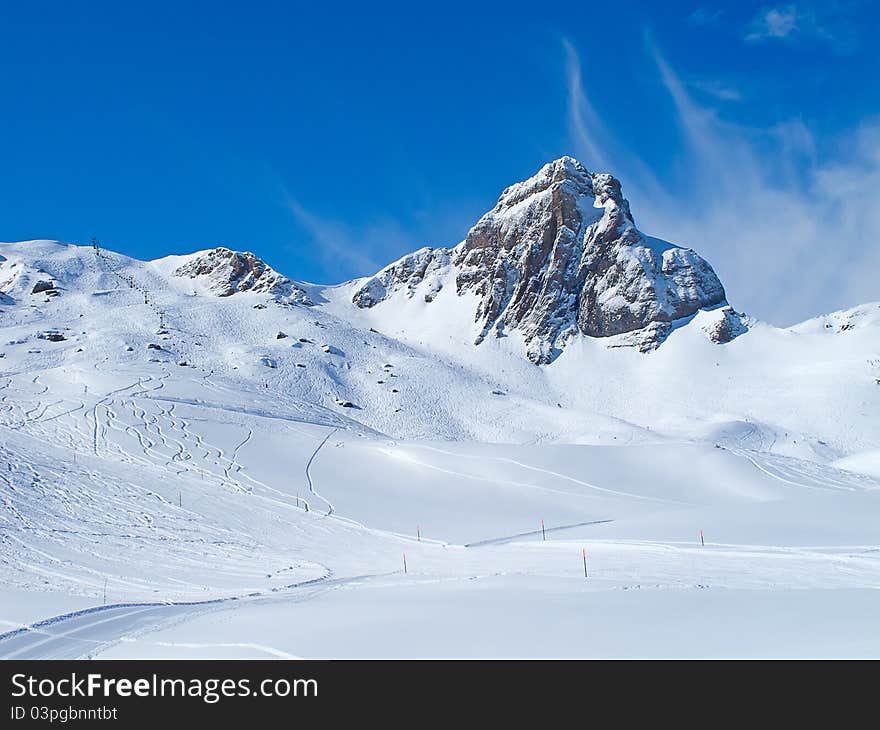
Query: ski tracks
(311, 483)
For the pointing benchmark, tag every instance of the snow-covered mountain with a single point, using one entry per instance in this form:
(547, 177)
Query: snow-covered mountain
(205, 428)
(560, 254)
(411, 370)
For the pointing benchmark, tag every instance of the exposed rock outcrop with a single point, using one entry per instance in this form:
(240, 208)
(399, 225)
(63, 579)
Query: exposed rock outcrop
(226, 272)
(51, 336)
(560, 254)
(43, 286)
(729, 325)
(426, 264)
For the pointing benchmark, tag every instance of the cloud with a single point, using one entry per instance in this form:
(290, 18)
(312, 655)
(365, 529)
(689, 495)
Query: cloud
(792, 228)
(583, 121)
(340, 249)
(716, 89)
(779, 22)
(345, 250)
(705, 16)
(334, 240)
(594, 144)
(828, 23)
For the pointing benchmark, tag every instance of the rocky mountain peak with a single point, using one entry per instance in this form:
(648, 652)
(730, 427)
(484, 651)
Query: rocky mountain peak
(226, 272)
(560, 254)
(564, 171)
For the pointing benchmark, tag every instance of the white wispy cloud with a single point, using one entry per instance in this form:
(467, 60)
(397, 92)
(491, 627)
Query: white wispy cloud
(345, 249)
(778, 22)
(717, 89)
(828, 23)
(595, 145)
(791, 232)
(582, 118)
(705, 16)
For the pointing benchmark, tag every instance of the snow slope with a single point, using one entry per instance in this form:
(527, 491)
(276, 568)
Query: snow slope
(179, 476)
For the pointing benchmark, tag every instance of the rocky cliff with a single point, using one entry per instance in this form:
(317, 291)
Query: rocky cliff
(225, 272)
(558, 255)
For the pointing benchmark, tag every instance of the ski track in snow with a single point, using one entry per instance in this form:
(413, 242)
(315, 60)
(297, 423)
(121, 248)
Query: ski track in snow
(530, 533)
(543, 471)
(88, 632)
(311, 483)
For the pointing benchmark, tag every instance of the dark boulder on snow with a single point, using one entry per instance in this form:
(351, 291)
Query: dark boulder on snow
(51, 336)
(43, 286)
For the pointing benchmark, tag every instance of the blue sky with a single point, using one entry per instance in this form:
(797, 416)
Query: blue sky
(331, 138)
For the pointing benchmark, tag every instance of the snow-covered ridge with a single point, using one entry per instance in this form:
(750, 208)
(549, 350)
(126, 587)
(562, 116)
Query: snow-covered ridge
(560, 255)
(438, 385)
(845, 320)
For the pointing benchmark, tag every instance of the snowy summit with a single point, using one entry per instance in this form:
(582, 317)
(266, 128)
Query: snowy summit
(560, 254)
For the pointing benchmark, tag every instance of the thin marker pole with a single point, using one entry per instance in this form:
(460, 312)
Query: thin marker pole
(702, 541)
(584, 551)
(419, 533)
(543, 534)
(105, 591)
(404, 563)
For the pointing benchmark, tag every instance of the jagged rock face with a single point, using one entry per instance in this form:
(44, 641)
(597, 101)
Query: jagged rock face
(226, 272)
(560, 253)
(406, 274)
(729, 325)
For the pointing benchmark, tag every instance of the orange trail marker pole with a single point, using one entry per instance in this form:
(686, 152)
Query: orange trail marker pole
(404, 563)
(702, 541)
(584, 551)
(543, 534)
